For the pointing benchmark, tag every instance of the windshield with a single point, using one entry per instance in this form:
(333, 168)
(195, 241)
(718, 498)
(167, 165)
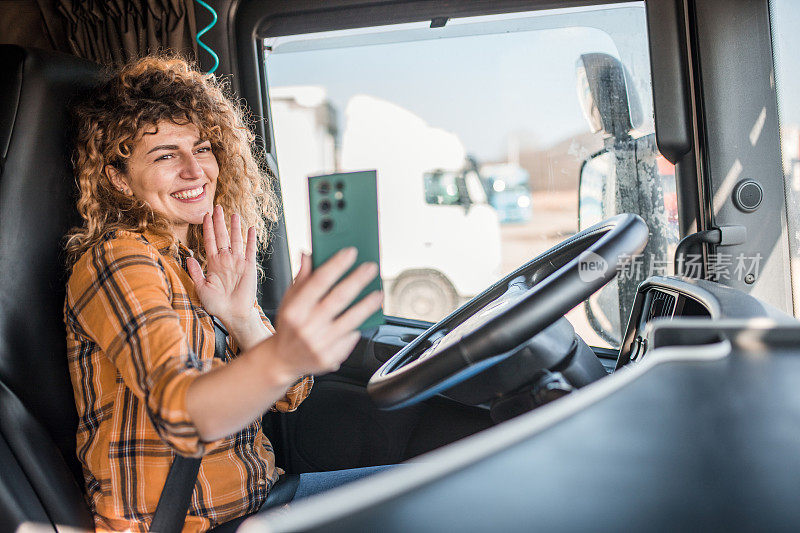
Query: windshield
(479, 131)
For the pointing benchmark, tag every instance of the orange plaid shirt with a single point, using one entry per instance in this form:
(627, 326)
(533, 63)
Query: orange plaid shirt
(137, 337)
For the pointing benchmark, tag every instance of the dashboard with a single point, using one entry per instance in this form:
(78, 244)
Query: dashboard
(672, 297)
(562, 457)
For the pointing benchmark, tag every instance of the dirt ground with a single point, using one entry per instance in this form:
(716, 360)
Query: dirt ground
(555, 217)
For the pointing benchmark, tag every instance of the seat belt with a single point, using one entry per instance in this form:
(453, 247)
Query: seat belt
(173, 504)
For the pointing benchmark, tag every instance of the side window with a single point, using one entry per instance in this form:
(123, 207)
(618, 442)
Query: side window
(784, 17)
(441, 188)
(494, 138)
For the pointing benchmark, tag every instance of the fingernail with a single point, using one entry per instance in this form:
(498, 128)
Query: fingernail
(370, 268)
(350, 251)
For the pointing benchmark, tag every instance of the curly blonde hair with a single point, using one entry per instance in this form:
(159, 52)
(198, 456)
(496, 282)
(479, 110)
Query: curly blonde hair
(137, 97)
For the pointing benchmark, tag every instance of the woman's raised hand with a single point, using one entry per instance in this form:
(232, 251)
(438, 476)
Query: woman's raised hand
(316, 331)
(228, 289)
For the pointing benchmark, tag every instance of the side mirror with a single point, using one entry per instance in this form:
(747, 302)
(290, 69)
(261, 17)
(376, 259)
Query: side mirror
(603, 93)
(596, 188)
(621, 179)
(441, 188)
(613, 181)
(596, 193)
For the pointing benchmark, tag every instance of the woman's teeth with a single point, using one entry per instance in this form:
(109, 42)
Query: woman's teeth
(188, 195)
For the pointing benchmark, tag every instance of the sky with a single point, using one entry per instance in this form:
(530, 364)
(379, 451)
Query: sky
(483, 88)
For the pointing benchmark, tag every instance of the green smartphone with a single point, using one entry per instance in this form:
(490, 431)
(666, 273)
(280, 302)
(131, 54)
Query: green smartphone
(344, 212)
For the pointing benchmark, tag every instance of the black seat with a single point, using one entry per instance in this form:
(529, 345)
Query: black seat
(40, 478)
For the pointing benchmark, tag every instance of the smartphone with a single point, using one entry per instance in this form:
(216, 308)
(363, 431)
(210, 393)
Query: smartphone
(344, 212)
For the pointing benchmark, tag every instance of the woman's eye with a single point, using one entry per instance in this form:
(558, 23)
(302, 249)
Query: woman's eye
(203, 149)
(163, 157)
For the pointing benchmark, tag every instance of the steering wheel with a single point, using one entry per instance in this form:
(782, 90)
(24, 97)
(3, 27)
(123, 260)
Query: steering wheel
(488, 328)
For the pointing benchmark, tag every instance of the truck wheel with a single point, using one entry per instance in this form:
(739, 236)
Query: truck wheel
(424, 295)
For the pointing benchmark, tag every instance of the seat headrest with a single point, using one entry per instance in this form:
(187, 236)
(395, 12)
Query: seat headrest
(37, 208)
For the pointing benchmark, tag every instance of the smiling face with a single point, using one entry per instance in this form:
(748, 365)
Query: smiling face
(174, 170)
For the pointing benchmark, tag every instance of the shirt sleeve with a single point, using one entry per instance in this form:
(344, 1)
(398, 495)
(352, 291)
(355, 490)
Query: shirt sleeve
(297, 392)
(122, 301)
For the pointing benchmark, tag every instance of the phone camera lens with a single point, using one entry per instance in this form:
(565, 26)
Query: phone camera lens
(324, 187)
(325, 206)
(340, 204)
(339, 185)
(326, 224)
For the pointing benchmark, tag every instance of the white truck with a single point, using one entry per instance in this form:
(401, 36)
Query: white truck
(442, 249)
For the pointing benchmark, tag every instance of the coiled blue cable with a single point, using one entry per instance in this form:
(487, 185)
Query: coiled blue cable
(203, 31)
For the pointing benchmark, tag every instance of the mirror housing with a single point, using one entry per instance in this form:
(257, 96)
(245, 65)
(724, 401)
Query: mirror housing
(604, 97)
(593, 187)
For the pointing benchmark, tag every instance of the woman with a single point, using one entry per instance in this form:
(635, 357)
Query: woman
(164, 169)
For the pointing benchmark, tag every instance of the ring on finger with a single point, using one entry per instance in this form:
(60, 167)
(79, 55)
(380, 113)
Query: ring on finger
(225, 248)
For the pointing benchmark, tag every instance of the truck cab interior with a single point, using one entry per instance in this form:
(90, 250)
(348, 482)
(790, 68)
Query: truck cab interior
(621, 355)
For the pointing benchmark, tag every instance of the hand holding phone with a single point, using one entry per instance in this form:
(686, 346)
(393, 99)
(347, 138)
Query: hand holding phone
(344, 213)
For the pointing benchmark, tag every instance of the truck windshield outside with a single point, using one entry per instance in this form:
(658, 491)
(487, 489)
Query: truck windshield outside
(482, 133)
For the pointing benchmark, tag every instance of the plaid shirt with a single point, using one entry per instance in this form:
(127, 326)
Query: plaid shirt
(137, 337)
